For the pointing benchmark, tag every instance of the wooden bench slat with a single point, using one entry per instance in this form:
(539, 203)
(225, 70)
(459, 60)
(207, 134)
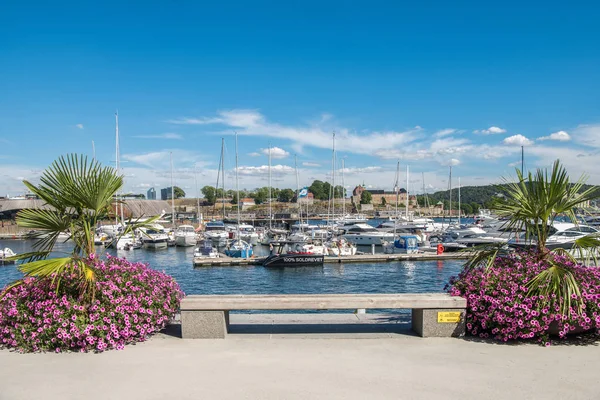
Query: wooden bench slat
(320, 301)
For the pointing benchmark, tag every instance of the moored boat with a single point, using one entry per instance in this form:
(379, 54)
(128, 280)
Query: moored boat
(185, 236)
(293, 260)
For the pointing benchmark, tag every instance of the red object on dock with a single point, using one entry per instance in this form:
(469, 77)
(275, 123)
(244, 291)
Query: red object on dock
(440, 249)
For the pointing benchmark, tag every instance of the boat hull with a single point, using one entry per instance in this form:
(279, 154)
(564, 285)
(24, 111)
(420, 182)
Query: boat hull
(293, 260)
(365, 240)
(185, 241)
(155, 245)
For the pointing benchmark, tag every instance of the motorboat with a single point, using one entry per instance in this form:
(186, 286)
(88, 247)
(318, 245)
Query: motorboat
(101, 239)
(408, 244)
(296, 256)
(206, 250)
(111, 230)
(155, 237)
(239, 249)
(340, 247)
(273, 235)
(293, 260)
(449, 244)
(478, 239)
(351, 219)
(521, 241)
(5, 254)
(247, 233)
(185, 236)
(566, 239)
(363, 234)
(123, 242)
(215, 231)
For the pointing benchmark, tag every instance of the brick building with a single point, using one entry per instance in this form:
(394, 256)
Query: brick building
(378, 194)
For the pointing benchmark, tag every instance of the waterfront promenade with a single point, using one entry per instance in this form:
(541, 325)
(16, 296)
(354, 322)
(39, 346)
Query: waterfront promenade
(264, 360)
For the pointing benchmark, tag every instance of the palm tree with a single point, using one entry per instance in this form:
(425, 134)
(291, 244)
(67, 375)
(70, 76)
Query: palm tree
(79, 193)
(532, 204)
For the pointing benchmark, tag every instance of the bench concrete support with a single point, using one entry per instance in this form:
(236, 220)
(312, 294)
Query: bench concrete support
(204, 324)
(425, 323)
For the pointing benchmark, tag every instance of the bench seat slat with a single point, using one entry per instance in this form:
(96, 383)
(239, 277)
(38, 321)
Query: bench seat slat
(320, 301)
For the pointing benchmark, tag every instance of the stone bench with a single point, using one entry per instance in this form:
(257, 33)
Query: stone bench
(433, 314)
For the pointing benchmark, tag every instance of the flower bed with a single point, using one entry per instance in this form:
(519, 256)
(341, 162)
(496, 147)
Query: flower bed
(498, 304)
(132, 301)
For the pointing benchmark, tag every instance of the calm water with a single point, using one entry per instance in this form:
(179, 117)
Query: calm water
(396, 277)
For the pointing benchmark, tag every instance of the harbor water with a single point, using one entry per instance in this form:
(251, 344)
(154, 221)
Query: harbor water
(388, 277)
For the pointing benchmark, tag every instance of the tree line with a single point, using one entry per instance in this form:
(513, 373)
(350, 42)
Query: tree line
(320, 190)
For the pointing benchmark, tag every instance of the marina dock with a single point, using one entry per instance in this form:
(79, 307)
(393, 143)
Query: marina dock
(224, 261)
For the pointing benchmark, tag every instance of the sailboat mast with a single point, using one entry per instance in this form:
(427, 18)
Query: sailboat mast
(397, 189)
(298, 190)
(522, 159)
(270, 209)
(450, 194)
(407, 193)
(223, 176)
(333, 180)
(343, 189)
(459, 200)
(237, 186)
(197, 194)
(172, 193)
(93, 151)
(117, 163)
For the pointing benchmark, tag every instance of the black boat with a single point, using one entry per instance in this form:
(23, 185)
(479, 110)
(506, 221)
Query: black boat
(293, 260)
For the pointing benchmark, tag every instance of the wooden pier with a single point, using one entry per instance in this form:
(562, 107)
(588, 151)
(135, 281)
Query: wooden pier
(225, 261)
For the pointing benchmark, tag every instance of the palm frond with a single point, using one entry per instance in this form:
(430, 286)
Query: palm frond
(484, 256)
(557, 281)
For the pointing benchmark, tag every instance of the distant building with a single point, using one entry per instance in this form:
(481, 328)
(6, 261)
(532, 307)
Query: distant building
(165, 194)
(378, 194)
(151, 194)
(308, 199)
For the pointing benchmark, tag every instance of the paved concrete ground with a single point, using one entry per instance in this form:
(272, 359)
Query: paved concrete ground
(295, 359)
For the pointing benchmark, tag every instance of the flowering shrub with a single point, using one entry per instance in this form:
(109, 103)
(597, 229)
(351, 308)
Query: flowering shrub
(131, 302)
(498, 304)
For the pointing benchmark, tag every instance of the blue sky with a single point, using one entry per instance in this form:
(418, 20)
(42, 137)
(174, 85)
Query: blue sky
(432, 84)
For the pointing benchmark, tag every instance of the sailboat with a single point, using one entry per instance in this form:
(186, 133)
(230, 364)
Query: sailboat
(119, 241)
(238, 248)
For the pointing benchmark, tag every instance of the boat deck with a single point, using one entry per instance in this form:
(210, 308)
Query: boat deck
(224, 261)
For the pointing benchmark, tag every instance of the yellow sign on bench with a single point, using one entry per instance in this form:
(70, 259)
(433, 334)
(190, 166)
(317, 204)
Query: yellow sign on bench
(448, 316)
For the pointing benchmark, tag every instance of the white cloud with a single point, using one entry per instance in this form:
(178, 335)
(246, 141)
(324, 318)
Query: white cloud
(161, 159)
(444, 132)
(253, 123)
(80, 126)
(310, 164)
(451, 162)
(588, 135)
(517, 140)
(264, 170)
(492, 130)
(168, 135)
(363, 170)
(276, 152)
(255, 154)
(560, 136)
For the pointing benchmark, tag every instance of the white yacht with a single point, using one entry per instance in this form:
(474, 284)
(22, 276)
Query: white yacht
(215, 231)
(340, 247)
(248, 233)
(155, 237)
(185, 236)
(351, 218)
(566, 239)
(6, 253)
(122, 242)
(521, 240)
(363, 234)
